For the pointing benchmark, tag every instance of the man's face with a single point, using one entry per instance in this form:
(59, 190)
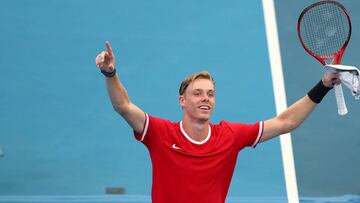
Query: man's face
(199, 99)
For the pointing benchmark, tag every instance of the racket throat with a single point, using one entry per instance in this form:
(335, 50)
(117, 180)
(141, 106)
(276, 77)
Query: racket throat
(337, 58)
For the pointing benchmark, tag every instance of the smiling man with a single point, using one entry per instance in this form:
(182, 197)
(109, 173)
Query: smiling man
(193, 160)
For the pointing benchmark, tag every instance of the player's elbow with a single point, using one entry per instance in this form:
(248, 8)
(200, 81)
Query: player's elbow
(288, 126)
(122, 108)
(291, 125)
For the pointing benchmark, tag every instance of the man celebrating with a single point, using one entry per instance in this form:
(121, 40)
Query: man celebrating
(193, 160)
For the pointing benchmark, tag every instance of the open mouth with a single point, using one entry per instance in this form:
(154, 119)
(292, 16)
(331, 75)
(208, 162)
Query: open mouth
(204, 107)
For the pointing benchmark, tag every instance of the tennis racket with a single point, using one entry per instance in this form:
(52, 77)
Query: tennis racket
(324, 30)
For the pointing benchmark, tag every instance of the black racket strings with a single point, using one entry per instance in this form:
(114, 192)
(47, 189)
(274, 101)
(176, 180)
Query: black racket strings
(324, 29)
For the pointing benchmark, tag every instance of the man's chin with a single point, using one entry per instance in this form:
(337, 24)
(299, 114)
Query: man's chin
(204, 118)
(201, 116)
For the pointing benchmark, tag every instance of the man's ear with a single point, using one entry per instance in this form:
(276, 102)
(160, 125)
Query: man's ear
(182, 101)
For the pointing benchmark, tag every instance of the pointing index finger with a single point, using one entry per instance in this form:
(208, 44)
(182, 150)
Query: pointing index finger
(108, 47)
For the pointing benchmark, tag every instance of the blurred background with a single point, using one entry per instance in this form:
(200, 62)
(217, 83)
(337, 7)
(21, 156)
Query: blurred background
(59, 136)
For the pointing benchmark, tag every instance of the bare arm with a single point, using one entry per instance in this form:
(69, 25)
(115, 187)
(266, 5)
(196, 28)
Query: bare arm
(288, 120)
(293, 116)
(119, 98)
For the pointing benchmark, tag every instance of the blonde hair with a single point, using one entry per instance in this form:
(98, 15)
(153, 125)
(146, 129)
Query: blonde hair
(191, 78)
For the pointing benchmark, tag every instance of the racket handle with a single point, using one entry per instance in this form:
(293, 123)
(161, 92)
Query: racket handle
(340, 101)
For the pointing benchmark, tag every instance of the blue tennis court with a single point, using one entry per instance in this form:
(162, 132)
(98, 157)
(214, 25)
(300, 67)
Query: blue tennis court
(61, 141)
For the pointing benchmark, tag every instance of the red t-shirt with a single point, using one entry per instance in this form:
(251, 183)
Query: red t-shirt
(187, 171)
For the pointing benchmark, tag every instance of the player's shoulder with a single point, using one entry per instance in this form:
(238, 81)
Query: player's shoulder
(154, 120)
(230, 125)
(225, 123)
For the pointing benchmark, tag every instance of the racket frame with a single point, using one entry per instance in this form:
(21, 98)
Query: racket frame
(337, 56)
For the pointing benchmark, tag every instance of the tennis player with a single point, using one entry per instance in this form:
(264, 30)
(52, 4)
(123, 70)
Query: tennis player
(193, 160)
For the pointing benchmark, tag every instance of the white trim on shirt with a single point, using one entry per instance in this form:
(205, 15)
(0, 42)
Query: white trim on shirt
(261, 126)
(194, 141)
(145, 128)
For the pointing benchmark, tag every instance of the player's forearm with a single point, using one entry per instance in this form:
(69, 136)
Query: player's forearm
(293, 116)
(118, 95)
(297, 113)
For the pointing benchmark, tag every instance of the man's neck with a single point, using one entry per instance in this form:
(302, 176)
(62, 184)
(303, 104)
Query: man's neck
(197, 130)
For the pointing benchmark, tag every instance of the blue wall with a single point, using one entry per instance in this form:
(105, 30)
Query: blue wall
(58, 131)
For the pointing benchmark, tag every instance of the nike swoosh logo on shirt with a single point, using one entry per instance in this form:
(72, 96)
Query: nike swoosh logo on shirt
(175, 147)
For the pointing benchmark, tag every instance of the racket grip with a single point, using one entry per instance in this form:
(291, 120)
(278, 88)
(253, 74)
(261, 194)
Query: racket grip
(340, 101)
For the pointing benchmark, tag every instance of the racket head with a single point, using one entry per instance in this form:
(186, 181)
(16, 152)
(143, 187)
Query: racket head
(324, 30)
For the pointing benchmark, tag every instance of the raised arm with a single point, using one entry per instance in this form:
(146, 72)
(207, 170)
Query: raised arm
(293, 116)
(119, 98)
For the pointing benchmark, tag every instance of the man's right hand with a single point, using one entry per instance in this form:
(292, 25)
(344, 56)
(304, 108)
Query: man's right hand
(105, 61)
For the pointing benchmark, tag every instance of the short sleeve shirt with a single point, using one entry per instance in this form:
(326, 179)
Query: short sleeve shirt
(185, 170)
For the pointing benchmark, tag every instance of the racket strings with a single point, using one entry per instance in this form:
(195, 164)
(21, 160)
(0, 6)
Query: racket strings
(324, 29)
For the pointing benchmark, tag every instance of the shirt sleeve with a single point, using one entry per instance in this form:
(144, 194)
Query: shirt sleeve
(141, 136)
(247, 135)
(152, 127)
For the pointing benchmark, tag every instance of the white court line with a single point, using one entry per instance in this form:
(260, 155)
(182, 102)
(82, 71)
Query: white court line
(280, 98)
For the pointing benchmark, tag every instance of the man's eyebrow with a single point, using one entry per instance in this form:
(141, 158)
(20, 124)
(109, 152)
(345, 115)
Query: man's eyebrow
(209, 90)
